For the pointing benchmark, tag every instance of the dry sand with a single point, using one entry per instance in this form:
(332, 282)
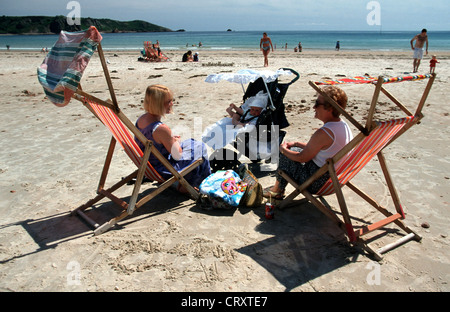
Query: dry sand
(51, 159)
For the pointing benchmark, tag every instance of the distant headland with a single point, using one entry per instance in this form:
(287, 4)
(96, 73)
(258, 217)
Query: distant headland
(39, 25)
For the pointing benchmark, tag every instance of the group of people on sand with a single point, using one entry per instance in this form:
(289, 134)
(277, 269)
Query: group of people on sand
(298, 159)
(420, 46)
(189, 57)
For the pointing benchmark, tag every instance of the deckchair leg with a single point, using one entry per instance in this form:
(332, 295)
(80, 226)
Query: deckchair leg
(286, 201)
(384, 211)
(127, 212)
(171, 181)
(139, 178)
(425, 95)
(341, 201)
(377, 256)
(390, 218)
(378, 253)
(355, 237)
(375, 97)
(101, 194)
(107, 164)
(324, 209)
(309, 197)
(99, 229)
(390, 185)
(87, 219)
(394, 195)
(399, 242)
(107, 225)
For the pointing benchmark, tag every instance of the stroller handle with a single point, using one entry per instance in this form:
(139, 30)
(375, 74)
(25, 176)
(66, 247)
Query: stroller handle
(297, 75)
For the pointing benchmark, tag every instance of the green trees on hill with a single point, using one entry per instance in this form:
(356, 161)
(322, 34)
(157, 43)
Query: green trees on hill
(53, 25)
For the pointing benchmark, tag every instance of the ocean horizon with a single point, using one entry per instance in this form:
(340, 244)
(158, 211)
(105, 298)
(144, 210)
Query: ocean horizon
(246, 40)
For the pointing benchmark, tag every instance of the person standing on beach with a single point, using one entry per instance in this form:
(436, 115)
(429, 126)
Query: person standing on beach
(421, 39)
(433, 63)
(265, 44)
(338, 46)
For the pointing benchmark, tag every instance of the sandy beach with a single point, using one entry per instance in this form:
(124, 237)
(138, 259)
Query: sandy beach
(51, 160)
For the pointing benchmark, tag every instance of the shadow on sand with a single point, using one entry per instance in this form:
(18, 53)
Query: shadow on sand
(304, 245)
(50, 231)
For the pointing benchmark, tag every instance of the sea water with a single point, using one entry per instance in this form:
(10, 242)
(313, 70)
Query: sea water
(246, 40)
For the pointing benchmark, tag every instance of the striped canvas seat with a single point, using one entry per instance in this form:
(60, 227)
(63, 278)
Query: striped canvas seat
(123, 137)
(355, 160)
(372, 80)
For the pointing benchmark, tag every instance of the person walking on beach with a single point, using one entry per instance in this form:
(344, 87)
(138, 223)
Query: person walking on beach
(265, 45)
(420, 39)
(433, 63)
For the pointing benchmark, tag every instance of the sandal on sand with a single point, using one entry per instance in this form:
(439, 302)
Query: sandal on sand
(275, 195)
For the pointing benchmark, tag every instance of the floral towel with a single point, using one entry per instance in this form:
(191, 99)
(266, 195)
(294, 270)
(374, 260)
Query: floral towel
(226, 185)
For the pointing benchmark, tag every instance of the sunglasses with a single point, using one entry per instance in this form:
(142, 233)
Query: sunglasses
(317, 104)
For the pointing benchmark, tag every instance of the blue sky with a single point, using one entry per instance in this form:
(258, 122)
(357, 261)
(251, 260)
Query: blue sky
(267, 15)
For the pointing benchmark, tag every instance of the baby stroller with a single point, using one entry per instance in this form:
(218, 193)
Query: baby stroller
(263, 142)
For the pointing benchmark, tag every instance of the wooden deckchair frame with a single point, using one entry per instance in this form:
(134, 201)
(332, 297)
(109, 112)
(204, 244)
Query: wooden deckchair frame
(129, 207)
(355, 237)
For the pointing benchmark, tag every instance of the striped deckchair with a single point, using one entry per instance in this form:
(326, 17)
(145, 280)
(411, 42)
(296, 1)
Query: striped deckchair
(122, 131)
(60, 75)
(352, 158)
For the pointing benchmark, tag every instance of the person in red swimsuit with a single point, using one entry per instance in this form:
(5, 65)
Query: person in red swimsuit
(433, 63)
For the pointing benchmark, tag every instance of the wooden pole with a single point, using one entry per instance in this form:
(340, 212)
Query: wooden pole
(375, 97)
(425, 95)
(108, 77)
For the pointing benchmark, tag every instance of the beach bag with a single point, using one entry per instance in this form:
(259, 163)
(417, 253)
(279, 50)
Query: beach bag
(253, 194)
(227, 189)
(224, 189)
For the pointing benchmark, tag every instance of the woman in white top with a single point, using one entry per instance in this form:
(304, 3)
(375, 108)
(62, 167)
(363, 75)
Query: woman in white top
(301, 160)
